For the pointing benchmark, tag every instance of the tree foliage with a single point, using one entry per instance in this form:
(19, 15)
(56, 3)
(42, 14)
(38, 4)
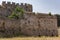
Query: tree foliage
(50, 13)
(18, 12)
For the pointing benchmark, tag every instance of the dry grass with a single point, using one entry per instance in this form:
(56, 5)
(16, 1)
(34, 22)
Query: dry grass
(32, 38)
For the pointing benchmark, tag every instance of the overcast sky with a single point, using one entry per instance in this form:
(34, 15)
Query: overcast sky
(44, 6)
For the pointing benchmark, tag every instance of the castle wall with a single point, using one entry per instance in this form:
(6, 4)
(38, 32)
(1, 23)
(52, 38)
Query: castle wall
(42, 25)
(31, 25)
(25, 6)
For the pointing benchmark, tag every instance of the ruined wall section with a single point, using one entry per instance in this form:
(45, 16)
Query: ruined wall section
(49, 25)
(38, 25)
(31, 25)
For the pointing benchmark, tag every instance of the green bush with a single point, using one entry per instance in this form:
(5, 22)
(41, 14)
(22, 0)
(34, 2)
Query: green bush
(18, 12)
(50, 13)
(18, 9)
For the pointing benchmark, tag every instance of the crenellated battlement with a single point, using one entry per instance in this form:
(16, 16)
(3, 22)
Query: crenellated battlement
(13, 3)
(25, 6)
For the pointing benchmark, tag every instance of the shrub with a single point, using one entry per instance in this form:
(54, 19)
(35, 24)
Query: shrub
(18, 12)
(50, 13)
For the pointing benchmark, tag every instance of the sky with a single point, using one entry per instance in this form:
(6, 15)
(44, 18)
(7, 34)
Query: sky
(41, 6)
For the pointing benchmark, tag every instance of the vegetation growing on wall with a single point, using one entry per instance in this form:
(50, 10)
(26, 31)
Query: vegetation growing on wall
(18, 12)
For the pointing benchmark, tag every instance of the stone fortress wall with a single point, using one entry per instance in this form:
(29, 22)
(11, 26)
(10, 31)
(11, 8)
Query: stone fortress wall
(33, 24)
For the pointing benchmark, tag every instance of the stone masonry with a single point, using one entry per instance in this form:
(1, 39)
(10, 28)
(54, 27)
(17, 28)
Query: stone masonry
(33, 24)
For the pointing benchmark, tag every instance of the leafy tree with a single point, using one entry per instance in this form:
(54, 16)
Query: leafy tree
(50, 13)
(14, 15)
(18, 12)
